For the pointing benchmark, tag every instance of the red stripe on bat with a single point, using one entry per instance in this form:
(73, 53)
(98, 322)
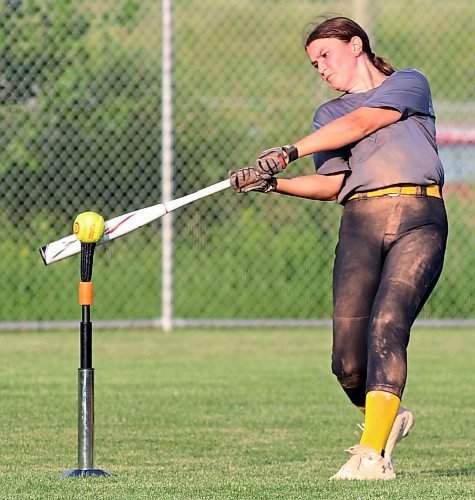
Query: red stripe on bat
(112, 229)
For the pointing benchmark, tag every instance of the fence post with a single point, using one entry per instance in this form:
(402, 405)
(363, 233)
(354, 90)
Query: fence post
(167, 162)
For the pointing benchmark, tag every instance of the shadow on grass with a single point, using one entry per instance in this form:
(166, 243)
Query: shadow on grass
(464, 471)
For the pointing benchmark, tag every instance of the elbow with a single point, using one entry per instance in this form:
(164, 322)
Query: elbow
(332, 187)
(365, 121)
(326, 195)
(329, 197)
(361, 127)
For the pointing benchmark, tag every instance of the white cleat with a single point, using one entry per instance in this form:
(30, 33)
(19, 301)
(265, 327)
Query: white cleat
(365, 464)
(400, 429)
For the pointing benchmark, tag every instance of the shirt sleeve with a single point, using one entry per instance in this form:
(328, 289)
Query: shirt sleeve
(328, 162)
(407, 91)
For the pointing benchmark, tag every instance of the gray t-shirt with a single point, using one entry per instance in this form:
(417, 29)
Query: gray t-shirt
(404, 152)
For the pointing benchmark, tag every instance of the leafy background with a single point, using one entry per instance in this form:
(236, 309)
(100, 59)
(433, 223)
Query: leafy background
(80, 129)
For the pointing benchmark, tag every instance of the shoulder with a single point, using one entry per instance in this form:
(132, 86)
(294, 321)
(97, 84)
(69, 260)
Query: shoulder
(409, 76)
(406, 90)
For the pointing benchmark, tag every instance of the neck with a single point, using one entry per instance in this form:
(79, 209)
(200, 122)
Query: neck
(369, 77)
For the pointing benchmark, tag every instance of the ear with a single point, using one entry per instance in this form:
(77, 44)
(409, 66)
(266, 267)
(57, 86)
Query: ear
(356, 45)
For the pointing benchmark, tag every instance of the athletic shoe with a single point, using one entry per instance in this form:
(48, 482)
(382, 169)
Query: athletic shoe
(365, 464)
(400, 429)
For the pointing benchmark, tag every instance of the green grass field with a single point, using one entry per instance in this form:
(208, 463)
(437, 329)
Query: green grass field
(224, 414)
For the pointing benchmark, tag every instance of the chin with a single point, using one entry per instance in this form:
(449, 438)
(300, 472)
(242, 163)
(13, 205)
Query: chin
(335, 86)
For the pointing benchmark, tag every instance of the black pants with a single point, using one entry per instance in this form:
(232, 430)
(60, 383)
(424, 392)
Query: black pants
(388, 260)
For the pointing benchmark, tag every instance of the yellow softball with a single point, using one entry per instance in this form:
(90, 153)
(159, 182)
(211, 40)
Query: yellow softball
(88, 227)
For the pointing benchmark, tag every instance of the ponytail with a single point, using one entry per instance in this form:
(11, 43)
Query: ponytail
(382, 65)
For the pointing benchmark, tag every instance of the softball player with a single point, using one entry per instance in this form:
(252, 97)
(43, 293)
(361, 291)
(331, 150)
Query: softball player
(375, 151)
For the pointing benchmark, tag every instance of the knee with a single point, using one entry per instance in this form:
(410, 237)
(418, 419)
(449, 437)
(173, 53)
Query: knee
(349, 373)
(389, 331)
(349, 356)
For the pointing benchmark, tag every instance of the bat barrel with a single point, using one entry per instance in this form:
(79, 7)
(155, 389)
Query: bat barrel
(123, 224)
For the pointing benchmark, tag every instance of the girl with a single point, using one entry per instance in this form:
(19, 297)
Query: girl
(375, 151)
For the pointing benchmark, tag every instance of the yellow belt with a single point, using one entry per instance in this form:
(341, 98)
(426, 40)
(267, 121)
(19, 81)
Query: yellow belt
(433, 190)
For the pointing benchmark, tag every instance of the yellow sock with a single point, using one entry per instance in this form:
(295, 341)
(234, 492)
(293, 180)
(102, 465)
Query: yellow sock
(381, 410)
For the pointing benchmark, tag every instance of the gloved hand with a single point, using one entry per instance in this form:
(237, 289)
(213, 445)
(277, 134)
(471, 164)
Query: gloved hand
(273, 161)
(248, 179)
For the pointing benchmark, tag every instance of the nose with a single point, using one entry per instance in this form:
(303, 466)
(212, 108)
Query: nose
(322, 67)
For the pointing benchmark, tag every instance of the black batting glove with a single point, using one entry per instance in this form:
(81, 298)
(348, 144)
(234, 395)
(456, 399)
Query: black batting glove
(273, 161)
(248, 179)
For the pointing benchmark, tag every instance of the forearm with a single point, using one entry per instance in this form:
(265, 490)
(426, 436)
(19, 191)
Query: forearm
(346, 130)
(336, 134)
(314, 187)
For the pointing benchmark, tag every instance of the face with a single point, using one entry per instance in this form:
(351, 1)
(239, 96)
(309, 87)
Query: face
(335, 61)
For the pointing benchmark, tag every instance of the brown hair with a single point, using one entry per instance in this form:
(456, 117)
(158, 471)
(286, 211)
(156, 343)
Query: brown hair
(345, 29)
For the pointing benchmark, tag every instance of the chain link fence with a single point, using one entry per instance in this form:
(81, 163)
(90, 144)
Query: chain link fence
(81, 112)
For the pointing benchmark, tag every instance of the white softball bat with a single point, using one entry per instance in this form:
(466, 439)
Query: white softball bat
(126, 223)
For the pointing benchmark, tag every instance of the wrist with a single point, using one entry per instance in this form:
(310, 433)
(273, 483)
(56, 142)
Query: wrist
(271, 185)
(291, 151)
